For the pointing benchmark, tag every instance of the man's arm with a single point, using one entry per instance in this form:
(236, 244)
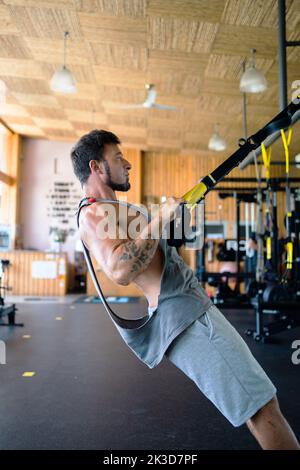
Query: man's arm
(124, 259)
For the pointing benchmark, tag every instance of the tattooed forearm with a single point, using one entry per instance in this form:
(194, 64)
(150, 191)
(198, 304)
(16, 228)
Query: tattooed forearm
(138, 256)
(134, 256)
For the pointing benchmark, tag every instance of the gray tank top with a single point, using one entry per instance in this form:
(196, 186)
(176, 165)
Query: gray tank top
(181, 301)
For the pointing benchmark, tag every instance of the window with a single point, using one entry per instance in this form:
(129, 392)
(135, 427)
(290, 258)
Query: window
(3, 130)
(3, 147)
(9, 188)
(5, 135)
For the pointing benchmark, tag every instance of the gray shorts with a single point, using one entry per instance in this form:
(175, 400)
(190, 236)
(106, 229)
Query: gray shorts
(212, 354)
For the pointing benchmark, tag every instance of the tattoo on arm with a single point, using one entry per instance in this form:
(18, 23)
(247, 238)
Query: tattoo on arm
(139, 256)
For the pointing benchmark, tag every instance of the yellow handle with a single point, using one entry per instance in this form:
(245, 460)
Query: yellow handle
(194, 195)
(289, 257)
(268, 246)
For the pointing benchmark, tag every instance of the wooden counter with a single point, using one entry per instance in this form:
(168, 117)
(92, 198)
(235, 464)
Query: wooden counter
(36, 273)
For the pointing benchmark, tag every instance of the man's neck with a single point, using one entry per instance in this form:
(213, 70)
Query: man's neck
(99, 193)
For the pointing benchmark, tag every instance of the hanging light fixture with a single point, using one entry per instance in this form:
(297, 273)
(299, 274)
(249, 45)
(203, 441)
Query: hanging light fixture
(253, 81)
(63, 80)
(216, 142)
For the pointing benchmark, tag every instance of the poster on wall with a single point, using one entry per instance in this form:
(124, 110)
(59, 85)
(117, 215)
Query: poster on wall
(62, 201)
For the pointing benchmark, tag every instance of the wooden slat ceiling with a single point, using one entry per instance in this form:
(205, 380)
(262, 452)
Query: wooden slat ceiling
(192, 50)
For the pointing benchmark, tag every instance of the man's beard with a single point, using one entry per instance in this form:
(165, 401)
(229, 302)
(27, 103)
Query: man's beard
(115, 186)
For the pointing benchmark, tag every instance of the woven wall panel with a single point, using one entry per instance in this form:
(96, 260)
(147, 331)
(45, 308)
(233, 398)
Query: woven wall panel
(191, 50)
(132, 8)
(194, 36)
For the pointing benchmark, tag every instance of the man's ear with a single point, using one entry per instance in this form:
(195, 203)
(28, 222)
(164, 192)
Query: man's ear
(96, 166)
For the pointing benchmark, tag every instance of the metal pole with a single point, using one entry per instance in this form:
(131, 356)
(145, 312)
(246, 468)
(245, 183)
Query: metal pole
(282, 55)
(238, 253)
(274, 233)
(201, 252)
(245, 108)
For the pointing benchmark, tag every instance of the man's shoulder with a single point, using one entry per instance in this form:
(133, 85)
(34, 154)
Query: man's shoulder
(94, 220)
(90, 215)
(99, 208)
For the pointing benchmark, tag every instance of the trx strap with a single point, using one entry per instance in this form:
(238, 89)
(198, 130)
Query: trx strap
(122, 322)
(266, 156)
(247, 230)
(289, 242)
(259, 226)
(286, 144)
(198, 192)
(281, 121)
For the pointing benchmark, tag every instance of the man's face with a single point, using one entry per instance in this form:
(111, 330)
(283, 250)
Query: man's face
(116, 168)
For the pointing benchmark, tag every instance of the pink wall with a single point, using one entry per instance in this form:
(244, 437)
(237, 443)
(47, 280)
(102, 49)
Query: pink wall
(38, 189)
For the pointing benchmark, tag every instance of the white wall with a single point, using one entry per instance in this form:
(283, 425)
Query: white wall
(37, 188)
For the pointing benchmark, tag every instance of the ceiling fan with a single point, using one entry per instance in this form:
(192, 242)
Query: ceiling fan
(149, 102)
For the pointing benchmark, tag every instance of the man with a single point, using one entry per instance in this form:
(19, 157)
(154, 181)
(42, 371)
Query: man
(184, 326)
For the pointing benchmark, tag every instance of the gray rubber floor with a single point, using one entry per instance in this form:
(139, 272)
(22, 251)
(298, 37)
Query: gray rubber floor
(91, 392)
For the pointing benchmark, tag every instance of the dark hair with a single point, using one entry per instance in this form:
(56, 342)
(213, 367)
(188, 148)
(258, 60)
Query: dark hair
(90, 147)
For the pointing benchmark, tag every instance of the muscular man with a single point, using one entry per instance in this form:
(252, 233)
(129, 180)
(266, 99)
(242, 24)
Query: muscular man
(184, 325)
